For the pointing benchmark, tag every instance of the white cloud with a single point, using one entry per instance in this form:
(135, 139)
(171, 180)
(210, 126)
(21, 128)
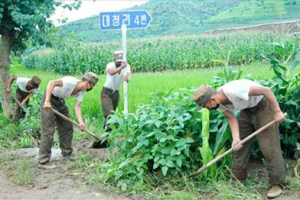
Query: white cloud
(90, 8)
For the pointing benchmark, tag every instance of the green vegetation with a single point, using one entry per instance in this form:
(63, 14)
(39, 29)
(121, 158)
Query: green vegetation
(187, 17)
(120, 173)
(165, 137)
(173, 53)
(258, 11)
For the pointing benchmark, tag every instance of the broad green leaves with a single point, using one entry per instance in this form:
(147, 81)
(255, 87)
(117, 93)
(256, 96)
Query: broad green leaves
(205, 150)
(287, 91)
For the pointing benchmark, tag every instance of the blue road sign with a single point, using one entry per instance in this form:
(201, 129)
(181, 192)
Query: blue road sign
(133, 19)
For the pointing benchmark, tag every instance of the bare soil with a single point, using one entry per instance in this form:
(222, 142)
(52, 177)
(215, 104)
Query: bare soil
(58, 183)
(257, 169)
(64, 183)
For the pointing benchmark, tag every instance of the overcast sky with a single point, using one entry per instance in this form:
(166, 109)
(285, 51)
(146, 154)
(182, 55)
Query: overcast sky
(90, 8)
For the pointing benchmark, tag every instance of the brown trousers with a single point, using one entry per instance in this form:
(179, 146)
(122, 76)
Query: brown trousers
(49, 121)
(20, 113)
(249, 121)
(109, 101)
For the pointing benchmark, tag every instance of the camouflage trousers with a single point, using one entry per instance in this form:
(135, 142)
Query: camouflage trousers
(250, 120)
(50, 121)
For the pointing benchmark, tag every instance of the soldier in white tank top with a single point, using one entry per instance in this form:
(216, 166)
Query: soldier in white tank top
(258, 106)
(53, 98)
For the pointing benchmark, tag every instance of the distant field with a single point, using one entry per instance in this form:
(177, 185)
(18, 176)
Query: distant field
(161, 54)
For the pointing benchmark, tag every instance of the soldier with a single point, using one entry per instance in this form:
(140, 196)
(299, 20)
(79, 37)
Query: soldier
(116, 72)
(258, 106)
(56, 92)
(25, 87)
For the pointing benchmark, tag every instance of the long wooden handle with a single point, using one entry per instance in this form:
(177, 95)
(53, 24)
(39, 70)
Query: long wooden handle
(230, 150)
(26, 99)
(18, 102)
(78, 125)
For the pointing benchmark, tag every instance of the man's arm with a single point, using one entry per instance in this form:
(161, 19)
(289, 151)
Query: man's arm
(127, 76)
(261, 90)
(118, 69)
(79, 116)
(234, 127)
(11, 80)
(49, 90)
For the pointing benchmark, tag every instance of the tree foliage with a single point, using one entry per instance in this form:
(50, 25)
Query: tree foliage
(29, 20)
(21, 22)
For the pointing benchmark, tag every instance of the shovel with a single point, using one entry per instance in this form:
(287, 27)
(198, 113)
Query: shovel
(96, 144)
(230, 150)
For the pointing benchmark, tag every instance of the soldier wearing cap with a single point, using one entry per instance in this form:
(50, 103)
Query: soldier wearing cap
(56, 92)
(116, 72)
(25, 87)
(258, 107)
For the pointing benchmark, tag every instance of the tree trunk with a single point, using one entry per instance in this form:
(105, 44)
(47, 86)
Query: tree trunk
(7, 41)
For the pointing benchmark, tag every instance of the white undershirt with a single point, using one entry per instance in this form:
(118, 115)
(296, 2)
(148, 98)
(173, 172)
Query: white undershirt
(65, 91)
(237, 92)
(22, 82)
(114, 81)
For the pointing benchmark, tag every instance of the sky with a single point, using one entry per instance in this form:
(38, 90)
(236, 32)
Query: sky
(93, 7)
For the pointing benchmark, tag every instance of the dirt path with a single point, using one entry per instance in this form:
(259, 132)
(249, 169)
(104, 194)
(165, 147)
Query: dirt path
(64, 183)
(50, 184)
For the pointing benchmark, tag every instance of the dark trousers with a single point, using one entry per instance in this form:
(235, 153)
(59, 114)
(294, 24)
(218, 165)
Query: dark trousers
(269, 142)
(109, 101)
(19, 112)
(49, 121)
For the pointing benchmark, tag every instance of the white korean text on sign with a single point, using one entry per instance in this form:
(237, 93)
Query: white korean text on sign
(132, 19)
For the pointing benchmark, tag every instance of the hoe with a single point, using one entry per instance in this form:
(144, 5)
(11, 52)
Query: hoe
(230, 150)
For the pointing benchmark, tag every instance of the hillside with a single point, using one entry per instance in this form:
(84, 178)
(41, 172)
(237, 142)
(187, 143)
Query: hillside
(182, 17)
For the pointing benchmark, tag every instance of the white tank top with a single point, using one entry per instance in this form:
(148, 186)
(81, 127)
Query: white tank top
(114, 81)
(237, 92)
(65, 91)
(22, 82)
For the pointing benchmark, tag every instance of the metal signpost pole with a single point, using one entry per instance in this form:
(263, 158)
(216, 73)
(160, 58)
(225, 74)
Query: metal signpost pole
(125, 86)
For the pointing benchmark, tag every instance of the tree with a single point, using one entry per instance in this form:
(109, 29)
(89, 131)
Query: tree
(22, 21)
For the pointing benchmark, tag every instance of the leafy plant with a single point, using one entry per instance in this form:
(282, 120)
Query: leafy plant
(286, 88)
(157, 137)
(205, 150)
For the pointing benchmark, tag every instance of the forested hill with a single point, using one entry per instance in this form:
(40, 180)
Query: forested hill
(182, 17)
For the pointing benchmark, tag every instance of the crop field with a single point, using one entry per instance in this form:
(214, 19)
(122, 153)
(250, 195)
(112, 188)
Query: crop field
(165, 137)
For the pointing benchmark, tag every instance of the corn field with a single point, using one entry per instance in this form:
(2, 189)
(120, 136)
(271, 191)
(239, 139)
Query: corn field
(169, 53)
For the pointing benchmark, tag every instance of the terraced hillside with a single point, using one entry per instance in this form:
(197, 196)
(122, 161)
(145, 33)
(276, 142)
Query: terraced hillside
(182, 17)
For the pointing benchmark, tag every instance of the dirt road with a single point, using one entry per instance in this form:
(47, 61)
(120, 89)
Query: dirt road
(49, 184)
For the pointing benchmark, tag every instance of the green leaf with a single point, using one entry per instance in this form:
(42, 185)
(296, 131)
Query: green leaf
(156, 158)
(181, 142)
(155, 165)
(295, 63)
(179, 162)
(164, 170)
(223, 135)
(162, 139)
(162, 161)
(170, 163)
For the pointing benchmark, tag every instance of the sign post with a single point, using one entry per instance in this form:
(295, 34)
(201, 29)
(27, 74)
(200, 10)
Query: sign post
(129, 19)
(125, 88)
